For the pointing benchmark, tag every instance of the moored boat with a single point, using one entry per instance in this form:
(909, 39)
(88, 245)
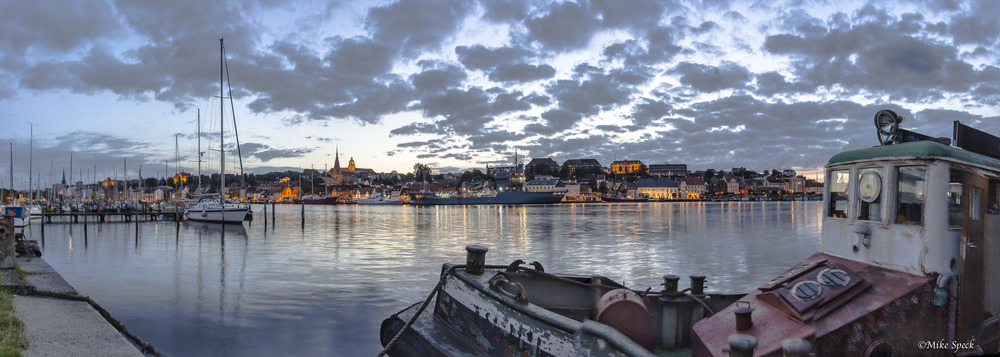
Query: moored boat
(506, 197)
(909, 265)
(211, 210)
(316, 200)
(379, 199)
(623, 199)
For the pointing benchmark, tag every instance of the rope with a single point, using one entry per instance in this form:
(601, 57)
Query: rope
(423, 306)
(146, 348)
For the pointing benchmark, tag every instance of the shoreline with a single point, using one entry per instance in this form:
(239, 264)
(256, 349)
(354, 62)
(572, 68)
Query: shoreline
(59, 321)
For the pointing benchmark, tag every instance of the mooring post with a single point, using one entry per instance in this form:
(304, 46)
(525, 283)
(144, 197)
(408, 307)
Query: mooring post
(265, 216)
(795, 347)
(741, 345)
(475, 259)
(303, 205)
(272, 214)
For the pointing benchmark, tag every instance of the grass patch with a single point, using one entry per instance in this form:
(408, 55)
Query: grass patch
(12, 337)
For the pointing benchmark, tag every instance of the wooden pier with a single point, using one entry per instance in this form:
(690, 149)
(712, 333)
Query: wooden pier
(110, 216)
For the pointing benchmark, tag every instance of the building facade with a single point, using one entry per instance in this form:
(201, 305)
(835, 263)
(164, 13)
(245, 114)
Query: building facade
(623, 167)
(668, 170)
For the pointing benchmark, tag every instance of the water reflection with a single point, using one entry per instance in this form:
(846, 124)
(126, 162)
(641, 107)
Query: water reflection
(282, 288)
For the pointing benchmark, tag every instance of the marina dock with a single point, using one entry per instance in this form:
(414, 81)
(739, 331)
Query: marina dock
(112, 216)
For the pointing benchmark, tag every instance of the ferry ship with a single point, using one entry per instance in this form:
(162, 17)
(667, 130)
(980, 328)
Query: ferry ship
(909, 265)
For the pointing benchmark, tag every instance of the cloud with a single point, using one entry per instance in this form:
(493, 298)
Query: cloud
(482, 58)
(522, 72)
(413, 25)
(711, 78)
(566, 26)
(702, 82)
(885, 56)
(265, 153)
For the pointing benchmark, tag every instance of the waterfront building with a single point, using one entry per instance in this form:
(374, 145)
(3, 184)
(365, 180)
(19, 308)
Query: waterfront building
(544, 185)
(668, 170)
(658, 188)
(576, 164)
(814, 187)
(692, 188)
(623, 167)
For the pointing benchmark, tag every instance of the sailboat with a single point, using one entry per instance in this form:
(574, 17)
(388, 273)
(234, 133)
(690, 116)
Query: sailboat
(211, 210)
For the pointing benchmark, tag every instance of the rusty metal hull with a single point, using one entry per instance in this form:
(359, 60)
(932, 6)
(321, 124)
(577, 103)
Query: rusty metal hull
(879, 310)
(472, 317)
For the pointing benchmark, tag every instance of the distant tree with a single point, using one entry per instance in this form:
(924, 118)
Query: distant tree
(775, 172)
(150, 182)
(709, 174)
(642, 171)
(603, 187)
(565, 172)
(421, 172)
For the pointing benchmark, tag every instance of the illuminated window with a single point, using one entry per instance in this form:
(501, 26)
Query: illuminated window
(839, 195)
(910, 194)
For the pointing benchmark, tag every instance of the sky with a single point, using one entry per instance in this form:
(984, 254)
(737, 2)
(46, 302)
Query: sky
(104, 88)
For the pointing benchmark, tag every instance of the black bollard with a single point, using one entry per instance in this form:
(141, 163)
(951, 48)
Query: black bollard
(475, 259)
(303, 215)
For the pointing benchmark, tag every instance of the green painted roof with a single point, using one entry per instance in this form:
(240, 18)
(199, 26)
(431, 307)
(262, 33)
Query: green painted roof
(916, 149)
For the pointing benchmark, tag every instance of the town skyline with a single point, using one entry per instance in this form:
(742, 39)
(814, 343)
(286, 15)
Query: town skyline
(458, 84)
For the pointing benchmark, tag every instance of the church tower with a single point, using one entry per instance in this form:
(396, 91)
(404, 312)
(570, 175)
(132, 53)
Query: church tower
(335, 172)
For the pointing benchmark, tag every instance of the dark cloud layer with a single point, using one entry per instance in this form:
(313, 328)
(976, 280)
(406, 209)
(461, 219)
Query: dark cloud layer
(674, 81)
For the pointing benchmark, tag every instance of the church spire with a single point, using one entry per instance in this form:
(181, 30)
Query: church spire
(336, 160)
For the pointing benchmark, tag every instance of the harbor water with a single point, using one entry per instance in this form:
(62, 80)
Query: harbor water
(323, 285)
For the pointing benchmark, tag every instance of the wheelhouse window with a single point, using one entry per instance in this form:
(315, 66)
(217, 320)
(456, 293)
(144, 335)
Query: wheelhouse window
(839, 194)
(869, 194)
(910, 194)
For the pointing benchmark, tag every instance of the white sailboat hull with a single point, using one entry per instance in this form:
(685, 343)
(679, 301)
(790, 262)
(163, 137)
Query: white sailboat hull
(216, 213)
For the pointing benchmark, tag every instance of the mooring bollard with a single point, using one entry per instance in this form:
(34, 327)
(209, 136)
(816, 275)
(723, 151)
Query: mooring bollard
(741, 345)
(475, 259)
(743, 314)
(795, 347)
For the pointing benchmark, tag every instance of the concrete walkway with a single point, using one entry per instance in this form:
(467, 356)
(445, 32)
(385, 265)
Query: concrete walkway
(59, 327)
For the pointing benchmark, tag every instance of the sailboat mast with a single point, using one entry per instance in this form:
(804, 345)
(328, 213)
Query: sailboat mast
(12, 194)
(31, 142)
(222, 131)
(199, 150)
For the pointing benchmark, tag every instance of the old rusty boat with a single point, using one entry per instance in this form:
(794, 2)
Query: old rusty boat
(909, 265)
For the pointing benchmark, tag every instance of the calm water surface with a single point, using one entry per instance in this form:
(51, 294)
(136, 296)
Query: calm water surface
(192, 289)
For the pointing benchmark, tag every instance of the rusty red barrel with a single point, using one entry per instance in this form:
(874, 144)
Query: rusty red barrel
(625, 311)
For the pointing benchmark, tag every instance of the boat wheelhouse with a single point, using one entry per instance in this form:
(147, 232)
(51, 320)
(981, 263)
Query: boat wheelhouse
(909, 256)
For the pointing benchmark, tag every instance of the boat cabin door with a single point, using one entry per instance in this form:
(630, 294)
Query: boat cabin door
(967, 200)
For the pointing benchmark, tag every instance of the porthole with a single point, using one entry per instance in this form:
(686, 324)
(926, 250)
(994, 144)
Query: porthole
(807, 290)
(834, 278)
